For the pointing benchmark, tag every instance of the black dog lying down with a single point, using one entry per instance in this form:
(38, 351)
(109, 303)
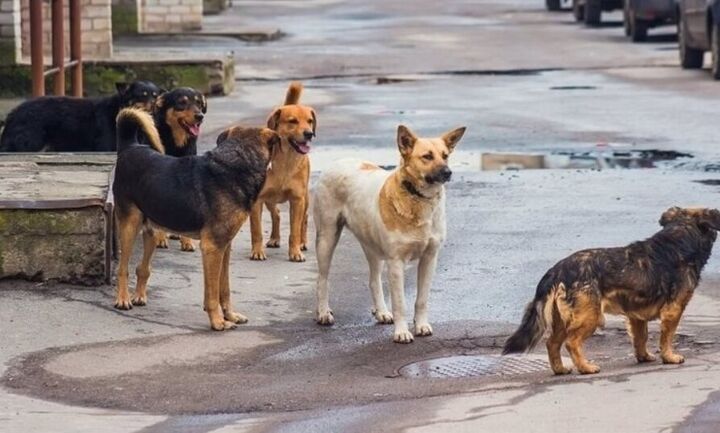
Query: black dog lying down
(646, 280)
(205, 197)
(65, 124)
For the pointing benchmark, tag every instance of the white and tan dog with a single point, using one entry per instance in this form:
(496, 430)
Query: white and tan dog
(396, 216)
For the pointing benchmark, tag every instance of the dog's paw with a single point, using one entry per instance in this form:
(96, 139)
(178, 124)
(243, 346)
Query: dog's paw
(139, 301)
(325, 318)
(297, 256)
(403, 336)
(673, 358)
(186, 245)
(222, 325)
(258, 255)
(589, 369)
(161, 242)
(645, 358)
(562, 370)
(123, 303)
(383, 317)
(273, 243)
(238, 318)
(423, 329)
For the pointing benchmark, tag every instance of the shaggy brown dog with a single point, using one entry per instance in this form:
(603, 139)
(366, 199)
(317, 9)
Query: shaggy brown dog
(205, 197)
(646, 280)
(287, 178)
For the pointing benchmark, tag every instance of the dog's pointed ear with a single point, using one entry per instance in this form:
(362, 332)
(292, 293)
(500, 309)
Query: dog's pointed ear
(451, 138)
(405, 140)
(670, 215)
(121, 87)
(312, 112)
(710, 218)
(274, 119)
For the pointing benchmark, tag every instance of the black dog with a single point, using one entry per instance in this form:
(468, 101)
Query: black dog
(206, 197)
(65, 124)
(178, 115)
(643, 281)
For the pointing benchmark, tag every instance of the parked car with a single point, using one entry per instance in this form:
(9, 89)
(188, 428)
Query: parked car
(590, 11)
(641, 15)
(699, 31)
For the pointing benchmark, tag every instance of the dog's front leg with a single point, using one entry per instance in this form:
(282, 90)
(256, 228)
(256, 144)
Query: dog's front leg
(212, 257)
(225, 302)
(426, 271)
(297, 212)
(396, 279)
(258, 253)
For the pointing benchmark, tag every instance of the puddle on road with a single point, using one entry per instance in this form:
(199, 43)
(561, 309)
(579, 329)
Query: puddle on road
(573, 87)
(601, 157)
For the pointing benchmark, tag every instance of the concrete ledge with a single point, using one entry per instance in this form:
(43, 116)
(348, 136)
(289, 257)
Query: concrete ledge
(55, 220)
(213, 76)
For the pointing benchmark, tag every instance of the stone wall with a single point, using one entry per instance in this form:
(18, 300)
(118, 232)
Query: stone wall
(9, 31)
(95, 27)
(166, 16)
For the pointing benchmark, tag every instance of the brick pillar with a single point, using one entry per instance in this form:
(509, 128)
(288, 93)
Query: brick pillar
(10, 40)
(96, 29)
(168, 16)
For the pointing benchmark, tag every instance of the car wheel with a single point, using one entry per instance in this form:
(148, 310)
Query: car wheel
(715, 69)
(638, 29)
(552, 5)
(593, 9)
(578, 10)
(690, 58)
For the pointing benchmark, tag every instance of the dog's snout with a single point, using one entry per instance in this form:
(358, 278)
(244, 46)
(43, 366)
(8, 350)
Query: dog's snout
(308, 134)
(199, 117)
(445, 173)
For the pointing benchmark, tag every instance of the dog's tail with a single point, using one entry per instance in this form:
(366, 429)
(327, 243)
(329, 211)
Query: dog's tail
(292, 97)
(131, 123)
(538, 317)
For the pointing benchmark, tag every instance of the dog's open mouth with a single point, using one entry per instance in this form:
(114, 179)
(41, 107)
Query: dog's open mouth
(192, 129)
(302, 147)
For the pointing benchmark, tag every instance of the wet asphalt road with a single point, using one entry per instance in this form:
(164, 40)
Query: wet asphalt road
(520, 79)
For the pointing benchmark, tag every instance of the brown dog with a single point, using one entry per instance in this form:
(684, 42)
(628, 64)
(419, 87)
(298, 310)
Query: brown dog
(206, 197)
(287, 177)
(643, 281)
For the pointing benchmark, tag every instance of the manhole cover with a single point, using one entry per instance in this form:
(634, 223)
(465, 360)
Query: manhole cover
(472, 366)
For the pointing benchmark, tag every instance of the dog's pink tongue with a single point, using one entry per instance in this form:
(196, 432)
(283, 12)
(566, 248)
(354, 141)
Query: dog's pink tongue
(195, 130)
(304, 148)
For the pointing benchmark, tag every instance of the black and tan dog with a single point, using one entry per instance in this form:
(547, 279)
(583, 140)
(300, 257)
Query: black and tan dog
(646, 280)
(288, 177)
(205, 197)
(65, 124)
(178, 115)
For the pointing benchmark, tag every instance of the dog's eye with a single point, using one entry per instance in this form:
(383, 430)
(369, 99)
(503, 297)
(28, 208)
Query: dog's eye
(310, 121)
(428, 156)
(293, 121)
(445, 156)
(154, 94)
(144, 93)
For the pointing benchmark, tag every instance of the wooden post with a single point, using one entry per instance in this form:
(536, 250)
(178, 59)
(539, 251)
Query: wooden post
(76, 48)
(36, 48)
(58, 45)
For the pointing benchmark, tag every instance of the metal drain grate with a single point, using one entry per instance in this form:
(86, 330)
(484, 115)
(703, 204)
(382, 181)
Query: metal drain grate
(472, 366)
